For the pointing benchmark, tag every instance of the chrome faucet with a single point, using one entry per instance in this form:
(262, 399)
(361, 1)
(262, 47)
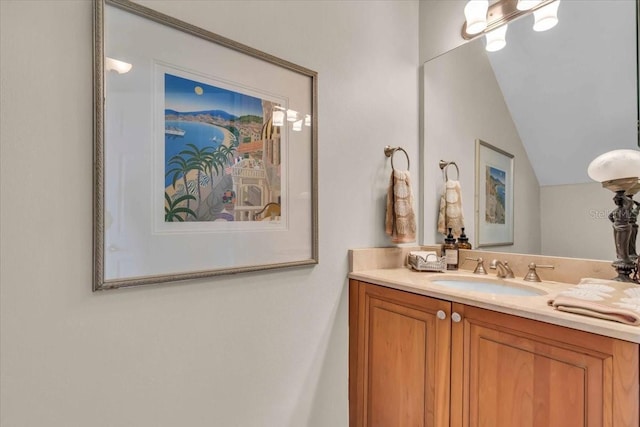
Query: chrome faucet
(504, 271)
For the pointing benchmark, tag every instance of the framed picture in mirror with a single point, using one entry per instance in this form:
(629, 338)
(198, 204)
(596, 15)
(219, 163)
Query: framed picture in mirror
(494, 195)
(205, 153)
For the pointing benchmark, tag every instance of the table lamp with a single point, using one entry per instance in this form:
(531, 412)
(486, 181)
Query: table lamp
(619, 171)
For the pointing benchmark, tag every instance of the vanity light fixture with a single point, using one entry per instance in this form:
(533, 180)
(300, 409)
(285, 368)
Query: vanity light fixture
(278, 118)
(280, 115)
(526, 4)
(619, 171)
(292, 115)
(496, 39)
(116, 65)
(475, 13)
(500, 13)
(546, 17)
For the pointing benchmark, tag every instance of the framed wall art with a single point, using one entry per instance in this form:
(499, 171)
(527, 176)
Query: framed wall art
(494, 196)
(205, 153)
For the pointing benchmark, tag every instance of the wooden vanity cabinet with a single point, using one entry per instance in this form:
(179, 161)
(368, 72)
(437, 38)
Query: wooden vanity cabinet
(399, 358)
(510, 371)
(478, 368)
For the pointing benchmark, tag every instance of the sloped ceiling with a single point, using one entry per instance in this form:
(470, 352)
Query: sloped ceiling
(572, 90)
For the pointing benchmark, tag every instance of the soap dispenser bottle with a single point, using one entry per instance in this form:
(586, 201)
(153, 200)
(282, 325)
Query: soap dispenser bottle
(463, 241)
(450, 251)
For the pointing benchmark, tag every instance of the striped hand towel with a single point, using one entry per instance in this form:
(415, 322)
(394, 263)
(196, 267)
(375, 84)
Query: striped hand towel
(400, 219)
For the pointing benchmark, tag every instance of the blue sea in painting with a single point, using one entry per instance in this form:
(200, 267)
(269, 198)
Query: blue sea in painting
(199, 134)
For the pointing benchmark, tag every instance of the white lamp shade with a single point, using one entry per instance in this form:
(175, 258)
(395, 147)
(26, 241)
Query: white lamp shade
(496, 39)
(278, 118)
(526, 4)
(546, 17)
(292, 115)
(297, 126)
(615, 164)
(475, 12)
(120, 67)
(307, 120)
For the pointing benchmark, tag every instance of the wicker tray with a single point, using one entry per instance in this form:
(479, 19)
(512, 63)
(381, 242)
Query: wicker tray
(431, 263)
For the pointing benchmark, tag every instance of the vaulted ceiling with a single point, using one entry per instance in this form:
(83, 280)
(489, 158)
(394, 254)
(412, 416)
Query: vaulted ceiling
(572, 90)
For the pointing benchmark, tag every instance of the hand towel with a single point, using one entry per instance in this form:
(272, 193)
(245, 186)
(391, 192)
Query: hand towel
(450, 215)
(603, 299)
(400, 219)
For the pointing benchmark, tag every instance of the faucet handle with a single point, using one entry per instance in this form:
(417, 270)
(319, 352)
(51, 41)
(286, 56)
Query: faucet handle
(532, 275)
(480, 266)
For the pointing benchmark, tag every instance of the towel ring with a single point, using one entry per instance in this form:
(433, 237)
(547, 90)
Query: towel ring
(389, 151)
(444, 165)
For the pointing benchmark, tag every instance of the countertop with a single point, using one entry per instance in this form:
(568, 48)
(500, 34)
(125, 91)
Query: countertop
(532, 307)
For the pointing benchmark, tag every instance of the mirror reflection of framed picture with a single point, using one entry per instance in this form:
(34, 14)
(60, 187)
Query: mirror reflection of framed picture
(494, 195)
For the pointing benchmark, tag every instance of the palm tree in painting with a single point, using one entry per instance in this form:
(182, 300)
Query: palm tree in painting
(198, 158)
(172, 208)
(226, 152)
(209, 164)
(180, 167)
(213, 160)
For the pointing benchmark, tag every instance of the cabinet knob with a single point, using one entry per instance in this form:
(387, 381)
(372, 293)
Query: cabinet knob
(456, 317)
(441, 315)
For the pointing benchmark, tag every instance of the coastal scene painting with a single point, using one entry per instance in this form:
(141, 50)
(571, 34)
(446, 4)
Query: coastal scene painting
(222, 154)
(205, 153)
(495, 207)
(494, 195)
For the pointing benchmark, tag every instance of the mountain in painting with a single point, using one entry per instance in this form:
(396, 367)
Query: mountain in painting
(213, 113)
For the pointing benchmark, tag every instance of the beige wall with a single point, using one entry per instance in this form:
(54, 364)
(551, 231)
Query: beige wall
(463, 102)
(440, 27)
(575, 221)
(264, 349)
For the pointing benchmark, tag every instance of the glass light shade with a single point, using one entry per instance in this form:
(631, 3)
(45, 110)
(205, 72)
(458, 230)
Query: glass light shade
(475, 12)
(616, 164)
(496, 39)
(120, 67)
(278, 118)
(297, 125)
(526, 4)
(546, 17)
(307, 120)
(292, 115)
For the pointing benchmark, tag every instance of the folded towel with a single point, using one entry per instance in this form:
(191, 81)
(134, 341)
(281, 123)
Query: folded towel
(603, 299)
(400, 219)
(450, 215)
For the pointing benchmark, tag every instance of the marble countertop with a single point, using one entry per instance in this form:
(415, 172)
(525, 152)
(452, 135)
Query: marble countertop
(532, 307)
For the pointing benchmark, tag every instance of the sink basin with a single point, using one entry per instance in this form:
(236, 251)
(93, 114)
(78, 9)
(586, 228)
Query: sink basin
(489, 287)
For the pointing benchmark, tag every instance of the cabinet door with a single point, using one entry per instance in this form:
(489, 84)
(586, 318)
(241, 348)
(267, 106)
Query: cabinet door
(400, 358)
(520, 372)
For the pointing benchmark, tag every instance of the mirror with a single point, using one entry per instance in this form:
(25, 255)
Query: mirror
(555, 100)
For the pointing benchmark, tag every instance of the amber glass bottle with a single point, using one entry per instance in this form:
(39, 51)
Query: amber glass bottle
(450, 251)
(463, 241)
